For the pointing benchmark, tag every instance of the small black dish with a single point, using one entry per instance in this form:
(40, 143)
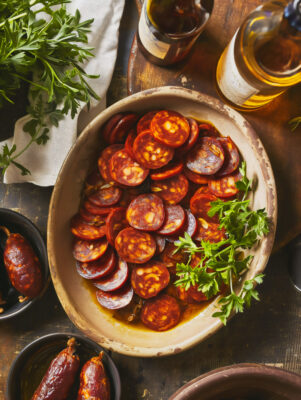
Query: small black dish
(31, 364)
(17, 223)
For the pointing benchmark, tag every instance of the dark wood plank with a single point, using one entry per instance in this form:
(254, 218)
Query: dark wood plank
(271, 123)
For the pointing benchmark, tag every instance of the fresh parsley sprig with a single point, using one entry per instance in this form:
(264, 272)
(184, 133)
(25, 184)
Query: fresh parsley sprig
(222, 264)
(47, 54)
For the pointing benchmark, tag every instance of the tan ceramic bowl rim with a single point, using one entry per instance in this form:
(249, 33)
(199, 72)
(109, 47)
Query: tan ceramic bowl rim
(268, 241)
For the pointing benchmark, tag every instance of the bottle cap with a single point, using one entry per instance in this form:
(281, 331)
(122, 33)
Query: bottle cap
(292, 12)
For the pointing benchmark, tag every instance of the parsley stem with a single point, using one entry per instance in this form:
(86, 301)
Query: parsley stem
(33, 138)
(30, 82)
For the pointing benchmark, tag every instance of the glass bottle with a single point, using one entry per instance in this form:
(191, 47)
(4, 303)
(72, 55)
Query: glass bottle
(263, 58)
(168, 28)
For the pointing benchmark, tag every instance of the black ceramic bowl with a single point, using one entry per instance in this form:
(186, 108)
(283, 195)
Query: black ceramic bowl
(31, 364)
(17, 223)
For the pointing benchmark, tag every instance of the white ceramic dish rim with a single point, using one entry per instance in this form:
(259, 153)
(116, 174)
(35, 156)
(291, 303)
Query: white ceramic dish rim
(267, 242)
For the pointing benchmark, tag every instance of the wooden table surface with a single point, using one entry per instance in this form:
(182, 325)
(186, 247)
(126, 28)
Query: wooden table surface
(270, 332)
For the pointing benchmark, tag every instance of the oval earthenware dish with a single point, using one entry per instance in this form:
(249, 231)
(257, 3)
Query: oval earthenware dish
(242, 382)
(74, 296)
(32, 362)
(18, 223)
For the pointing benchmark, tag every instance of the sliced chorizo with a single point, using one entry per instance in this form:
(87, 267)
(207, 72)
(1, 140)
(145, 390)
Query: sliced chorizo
(99, 268)
(206, 129)
(94, 382)
(207, 157)
(209, 232)
(160, 243)
(135, 246)
(170, 128)
(145, 121)
(196, 178)
(129, 142)
(123, 126)
(84, 230)
(146, 212)
(93, 182)
(170, 259)
(95, 210)
(106, 197)
(125, 170)
(115, 222)
(115, 280)
(170, 170)
(117, 299)
(200, 204)
(22, 265)
(191, 223)
(161, 313)
(110, 125)
(172, 190)
(225, 186)
(92, 219)
(89, 250)
(150, 153)
(174, 220)
(60, 375)
(191, 295)
(192, 139)
(150, 279)
(231, 156)
(104, 159)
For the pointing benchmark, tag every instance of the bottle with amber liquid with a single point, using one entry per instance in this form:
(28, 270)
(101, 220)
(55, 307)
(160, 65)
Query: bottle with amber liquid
(263, 59)
(168, 28)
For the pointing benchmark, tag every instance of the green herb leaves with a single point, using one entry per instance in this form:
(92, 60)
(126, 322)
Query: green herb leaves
(222, 264)
(46, 54)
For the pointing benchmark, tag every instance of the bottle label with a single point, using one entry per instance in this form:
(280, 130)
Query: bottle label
(154, 46)
(233, 86)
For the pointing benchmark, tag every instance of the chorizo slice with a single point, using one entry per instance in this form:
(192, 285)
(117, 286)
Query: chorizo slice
(117, 299)
(170, 170)
(115, 222)
(92, 219)
(209, 232)
(146, 212)
(170, 259)
(231, 156)
(99, 268)
(84, 230)
(121, 129)
(94, 382)
(170, 128)
(145, 121)
(150, 153)
(106, 197)
(225, 186)
(135, 246)
(207, 157)
(93, 182)
(161, 313)
(125, 170)
(22, 265)
(174, 220)
(114, 281)
(192, 139)
(192, 295)
(206, 129)
(200, 204)
(172, 190)
(150, 279)
(160, 243)
(89, 250)
(129, 142)
(60, 375)
(95, 210)
(104, 159)
(109, 125)
(196, 178)
(191, 223)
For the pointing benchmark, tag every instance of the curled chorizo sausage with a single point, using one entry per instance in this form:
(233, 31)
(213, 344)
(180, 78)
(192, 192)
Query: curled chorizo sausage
(60, 375)
(94, 383)
(22, 265)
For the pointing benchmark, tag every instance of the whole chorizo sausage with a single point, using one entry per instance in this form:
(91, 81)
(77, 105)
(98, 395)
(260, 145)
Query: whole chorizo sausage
(94, 383)
(60, 375)
(22, 265)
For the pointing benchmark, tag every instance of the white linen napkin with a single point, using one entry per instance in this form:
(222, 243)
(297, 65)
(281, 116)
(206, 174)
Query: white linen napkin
(44, 162)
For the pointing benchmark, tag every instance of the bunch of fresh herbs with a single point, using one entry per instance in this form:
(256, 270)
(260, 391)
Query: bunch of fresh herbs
(224, 263)
(42, 44)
